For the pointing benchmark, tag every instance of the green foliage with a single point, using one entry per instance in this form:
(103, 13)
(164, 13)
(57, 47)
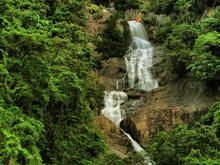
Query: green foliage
(161, 144)
(163, 31)
(123, 5)
(139, 158)
(113, 159)
(182, 10)
(69, 11)
(212, 23)
(112, 42)
(212, 118)
(206, 63)
(196, 158)
(197, 145)
(19, 136)
(101, 2)
(179, 42)
(47, 94)
(163, 6)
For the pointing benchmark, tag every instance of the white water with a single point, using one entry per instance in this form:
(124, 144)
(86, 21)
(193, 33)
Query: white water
(134, 144)
(139, 72)
(113, 112)
(139, 59)
(112, 102)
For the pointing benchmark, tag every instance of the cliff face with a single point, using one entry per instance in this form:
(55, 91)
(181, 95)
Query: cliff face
(169, 105)
(112, 136)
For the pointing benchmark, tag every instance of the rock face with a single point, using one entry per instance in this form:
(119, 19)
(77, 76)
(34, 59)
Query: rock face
(112, 71)
(113, 138)
(167, 106)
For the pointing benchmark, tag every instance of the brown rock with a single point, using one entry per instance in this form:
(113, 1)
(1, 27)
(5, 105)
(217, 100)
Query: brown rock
(167, 106)
(113, 138)
(111, 72)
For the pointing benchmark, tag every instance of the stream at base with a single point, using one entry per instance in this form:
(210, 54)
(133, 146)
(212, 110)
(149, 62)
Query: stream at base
(139, 75)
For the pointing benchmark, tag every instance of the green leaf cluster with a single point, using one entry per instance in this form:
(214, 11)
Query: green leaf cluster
(123, 5)
(178, 44)
(198, 145)
(19, 135)
(112, 42)
(206, 59)
(212, 118)
(212, 23)
(114, 159)
(181, 10)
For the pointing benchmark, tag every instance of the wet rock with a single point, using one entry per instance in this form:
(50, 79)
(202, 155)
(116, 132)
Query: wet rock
(134, 93)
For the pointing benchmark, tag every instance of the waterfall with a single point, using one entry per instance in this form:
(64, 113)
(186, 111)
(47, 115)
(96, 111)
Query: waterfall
(138, 60)
(112, 109)
(113, 112)
(139, 73)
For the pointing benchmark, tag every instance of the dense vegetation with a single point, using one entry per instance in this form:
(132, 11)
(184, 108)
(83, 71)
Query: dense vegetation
(47, 94)
(113, 42)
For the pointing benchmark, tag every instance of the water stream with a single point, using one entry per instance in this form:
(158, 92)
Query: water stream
(138, 61)
(139, 73)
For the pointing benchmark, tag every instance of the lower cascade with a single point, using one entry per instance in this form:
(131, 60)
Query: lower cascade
(139, 75)
(112, 106)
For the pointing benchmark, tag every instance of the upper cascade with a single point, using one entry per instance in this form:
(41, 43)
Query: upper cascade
(138, 60)
(137, 30)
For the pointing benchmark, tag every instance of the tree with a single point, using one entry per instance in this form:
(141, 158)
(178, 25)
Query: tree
(184, 145)
(112, 43)
(206, 62)
(19, 135)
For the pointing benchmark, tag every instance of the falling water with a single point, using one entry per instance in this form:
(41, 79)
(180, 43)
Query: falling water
(139, 59)
(112, 109)
(139, 74)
